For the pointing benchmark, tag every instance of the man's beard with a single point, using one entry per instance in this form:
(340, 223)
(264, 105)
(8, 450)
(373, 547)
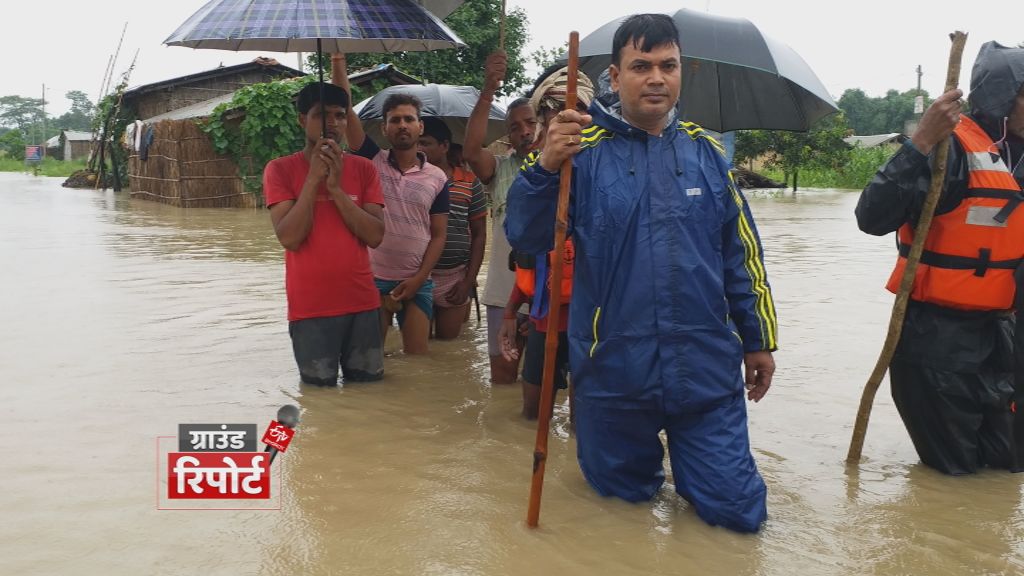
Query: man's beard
(399, 145)
(524, 148)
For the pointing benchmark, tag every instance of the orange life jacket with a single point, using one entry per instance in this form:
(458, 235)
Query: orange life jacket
(526, 278)
(971, 252)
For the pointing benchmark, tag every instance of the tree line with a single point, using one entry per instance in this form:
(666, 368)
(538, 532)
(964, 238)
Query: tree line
(822, 149)
(22, 121)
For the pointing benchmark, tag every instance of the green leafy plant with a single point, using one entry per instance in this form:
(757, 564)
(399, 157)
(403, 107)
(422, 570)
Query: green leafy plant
(121, 117)
(821, 147)
(854, 174)
(12, 145)
(476, 23)
(256, 126)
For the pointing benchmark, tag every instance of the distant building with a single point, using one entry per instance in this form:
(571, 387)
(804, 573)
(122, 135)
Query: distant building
(69, 145)
(875, 140)
(384, 71)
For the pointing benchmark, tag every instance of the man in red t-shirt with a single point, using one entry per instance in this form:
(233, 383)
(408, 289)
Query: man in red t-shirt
(327, 208)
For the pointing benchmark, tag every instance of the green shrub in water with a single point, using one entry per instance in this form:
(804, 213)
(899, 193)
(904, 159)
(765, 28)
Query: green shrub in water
(854, 174)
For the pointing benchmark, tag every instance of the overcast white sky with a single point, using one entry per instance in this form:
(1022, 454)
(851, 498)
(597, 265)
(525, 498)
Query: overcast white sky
(874, 45)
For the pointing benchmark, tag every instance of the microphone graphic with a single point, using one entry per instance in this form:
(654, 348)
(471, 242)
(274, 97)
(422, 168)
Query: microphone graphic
(287, 416)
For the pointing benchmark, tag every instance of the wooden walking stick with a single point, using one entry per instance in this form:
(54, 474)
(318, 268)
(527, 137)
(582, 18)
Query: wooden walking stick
(501, 28)
(547, 400)
(899, 308)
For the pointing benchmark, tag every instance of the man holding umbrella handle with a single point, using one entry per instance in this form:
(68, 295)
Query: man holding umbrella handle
(327, 210)
(415, 218)
(497, 173)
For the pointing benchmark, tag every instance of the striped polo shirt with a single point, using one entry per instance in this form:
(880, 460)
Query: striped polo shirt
(467, 202)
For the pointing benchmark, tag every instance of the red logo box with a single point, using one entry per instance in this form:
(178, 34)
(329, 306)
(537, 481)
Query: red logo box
(278, 436)
(218, 475)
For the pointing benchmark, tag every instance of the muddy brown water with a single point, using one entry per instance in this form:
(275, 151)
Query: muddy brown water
(122, 318)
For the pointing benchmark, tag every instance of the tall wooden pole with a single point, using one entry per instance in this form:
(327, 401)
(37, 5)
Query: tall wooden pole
(547, 399)
(899, 309)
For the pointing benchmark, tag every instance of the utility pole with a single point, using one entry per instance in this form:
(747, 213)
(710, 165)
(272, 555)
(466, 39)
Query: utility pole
(910, 125)
(919, 99)
(44, 118)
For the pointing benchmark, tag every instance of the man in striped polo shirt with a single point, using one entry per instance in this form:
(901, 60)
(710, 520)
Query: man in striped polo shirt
(455, 274)
(415, 220)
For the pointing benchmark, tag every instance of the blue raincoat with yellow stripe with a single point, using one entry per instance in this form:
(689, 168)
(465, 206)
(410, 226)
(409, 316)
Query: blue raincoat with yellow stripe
(670, 287)
(669, 291)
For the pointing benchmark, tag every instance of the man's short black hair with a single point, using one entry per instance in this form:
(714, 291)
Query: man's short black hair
(309, 96)
(653, 29)
(399, 99)
(437, 129)
(521, 101)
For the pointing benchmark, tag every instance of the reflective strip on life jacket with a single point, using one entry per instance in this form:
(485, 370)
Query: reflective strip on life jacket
(987, 170)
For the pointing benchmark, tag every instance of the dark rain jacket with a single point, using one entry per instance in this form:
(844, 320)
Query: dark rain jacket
(897, 192)
(960, 354)
(670, 287)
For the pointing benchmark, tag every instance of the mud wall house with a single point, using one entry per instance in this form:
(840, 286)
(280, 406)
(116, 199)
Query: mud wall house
(69, 145)
(161, 97)
(891, 141)
(77, 145)
(387, 72)
(170, 159)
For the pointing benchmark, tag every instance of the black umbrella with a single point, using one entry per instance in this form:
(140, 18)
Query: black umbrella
(453, 104)
(734, 77)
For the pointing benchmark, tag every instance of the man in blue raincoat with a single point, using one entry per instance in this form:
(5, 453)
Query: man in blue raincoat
(669, 295)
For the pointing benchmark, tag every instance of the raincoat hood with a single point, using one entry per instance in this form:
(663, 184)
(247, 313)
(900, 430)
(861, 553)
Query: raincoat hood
(996, 79)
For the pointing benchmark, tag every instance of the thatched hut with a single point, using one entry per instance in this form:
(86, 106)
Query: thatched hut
(172, 160)
(161, 97)
(180, 167)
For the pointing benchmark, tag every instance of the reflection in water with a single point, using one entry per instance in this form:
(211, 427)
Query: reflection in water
(123, 318)
(196, 233)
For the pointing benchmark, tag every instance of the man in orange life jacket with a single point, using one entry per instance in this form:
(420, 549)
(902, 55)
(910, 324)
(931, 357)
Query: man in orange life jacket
(533, 286)
(533, 272)
(951, 376)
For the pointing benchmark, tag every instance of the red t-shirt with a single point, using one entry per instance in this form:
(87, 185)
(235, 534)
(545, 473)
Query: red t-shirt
(329, 275)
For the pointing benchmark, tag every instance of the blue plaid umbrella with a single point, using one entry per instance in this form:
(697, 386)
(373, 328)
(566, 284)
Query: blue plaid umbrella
(318, 25)
(308, 26)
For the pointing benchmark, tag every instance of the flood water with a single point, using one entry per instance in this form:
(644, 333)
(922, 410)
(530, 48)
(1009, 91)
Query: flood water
(120, 319)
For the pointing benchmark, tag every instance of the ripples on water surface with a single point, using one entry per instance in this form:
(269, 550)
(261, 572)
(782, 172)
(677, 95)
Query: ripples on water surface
(122, 318)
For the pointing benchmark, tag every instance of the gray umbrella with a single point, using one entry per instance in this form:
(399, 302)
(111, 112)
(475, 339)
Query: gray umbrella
(453, 104)
(734, 77)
